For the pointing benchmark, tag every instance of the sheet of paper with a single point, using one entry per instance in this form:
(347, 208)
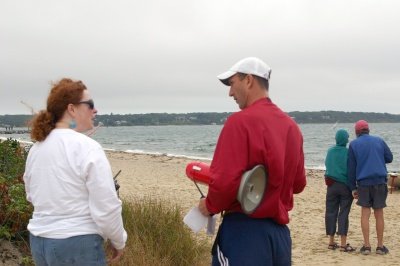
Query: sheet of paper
(195, 219)
(211, 225)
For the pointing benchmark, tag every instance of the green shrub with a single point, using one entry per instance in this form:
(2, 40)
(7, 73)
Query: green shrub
(15, 210)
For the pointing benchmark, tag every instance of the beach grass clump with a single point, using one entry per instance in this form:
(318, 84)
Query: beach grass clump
(158, 236)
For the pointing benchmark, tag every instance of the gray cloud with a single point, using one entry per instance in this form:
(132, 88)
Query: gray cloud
(163, 56)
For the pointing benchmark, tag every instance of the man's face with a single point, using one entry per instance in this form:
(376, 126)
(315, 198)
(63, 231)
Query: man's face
(239, 90)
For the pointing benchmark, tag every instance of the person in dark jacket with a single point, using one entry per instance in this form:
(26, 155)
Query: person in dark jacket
(368, 156)
(338, 194)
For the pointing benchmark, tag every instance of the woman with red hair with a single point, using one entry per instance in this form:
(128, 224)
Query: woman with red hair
(68, 180)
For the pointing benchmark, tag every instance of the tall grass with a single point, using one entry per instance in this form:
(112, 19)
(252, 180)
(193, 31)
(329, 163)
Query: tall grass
(157, 236)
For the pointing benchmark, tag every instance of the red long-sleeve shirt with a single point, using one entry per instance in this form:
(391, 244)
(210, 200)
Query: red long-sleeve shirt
(259, 134)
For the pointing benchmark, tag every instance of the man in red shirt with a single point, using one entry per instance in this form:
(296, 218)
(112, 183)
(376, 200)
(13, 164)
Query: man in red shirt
(260, 133)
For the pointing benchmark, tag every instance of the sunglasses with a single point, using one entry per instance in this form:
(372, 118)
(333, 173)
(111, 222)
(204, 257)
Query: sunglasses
(90, 103)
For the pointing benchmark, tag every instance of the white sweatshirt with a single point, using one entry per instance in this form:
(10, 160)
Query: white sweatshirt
(69, 181)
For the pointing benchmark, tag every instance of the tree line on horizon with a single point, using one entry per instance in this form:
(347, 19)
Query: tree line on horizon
(213, 118)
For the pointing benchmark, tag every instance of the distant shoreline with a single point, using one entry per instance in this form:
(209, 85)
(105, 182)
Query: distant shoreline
(16, 131)
(214, 118)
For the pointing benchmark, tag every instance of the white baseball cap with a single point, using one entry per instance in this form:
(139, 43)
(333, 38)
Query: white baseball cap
(248, 65)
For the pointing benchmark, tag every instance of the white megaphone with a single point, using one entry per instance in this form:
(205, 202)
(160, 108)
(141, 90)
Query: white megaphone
(252, 187)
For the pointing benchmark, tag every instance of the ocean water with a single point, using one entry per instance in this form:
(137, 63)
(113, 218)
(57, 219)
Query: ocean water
(198, 142)
(319, 137)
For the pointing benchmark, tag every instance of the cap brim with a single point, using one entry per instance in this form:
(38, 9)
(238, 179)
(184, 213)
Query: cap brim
(224, 77)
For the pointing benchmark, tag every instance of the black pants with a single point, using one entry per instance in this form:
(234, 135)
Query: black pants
(338, 205)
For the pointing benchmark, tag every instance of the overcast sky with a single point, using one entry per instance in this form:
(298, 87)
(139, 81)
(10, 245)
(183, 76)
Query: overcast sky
(153, 56)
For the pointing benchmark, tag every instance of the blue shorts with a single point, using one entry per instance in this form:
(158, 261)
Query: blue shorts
(77, 250)
(372, 196)
(242, 240)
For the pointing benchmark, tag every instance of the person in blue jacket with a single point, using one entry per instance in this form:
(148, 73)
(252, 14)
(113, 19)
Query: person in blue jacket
(368, 156)
(338, 194)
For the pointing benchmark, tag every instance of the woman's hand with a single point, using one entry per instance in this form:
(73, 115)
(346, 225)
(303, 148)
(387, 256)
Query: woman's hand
(115, 253)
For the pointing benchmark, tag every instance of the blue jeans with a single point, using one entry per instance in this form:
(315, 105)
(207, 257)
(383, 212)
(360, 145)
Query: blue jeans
(77, 250)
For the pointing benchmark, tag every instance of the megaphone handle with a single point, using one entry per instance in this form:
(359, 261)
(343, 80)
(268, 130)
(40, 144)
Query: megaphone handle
(201, 193)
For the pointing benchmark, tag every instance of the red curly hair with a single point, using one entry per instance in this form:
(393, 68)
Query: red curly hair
(64, 92)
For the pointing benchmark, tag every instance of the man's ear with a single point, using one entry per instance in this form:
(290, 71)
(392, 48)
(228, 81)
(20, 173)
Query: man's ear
(249, 80)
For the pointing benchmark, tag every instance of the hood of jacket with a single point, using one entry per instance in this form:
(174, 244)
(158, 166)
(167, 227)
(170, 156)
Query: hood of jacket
(342, 137)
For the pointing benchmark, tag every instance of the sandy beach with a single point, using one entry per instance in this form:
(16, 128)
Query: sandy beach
(164, 178)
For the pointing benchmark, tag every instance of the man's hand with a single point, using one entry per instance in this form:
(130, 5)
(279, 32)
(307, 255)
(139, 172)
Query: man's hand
(115, 253)
(203, 208)
(355, 194)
